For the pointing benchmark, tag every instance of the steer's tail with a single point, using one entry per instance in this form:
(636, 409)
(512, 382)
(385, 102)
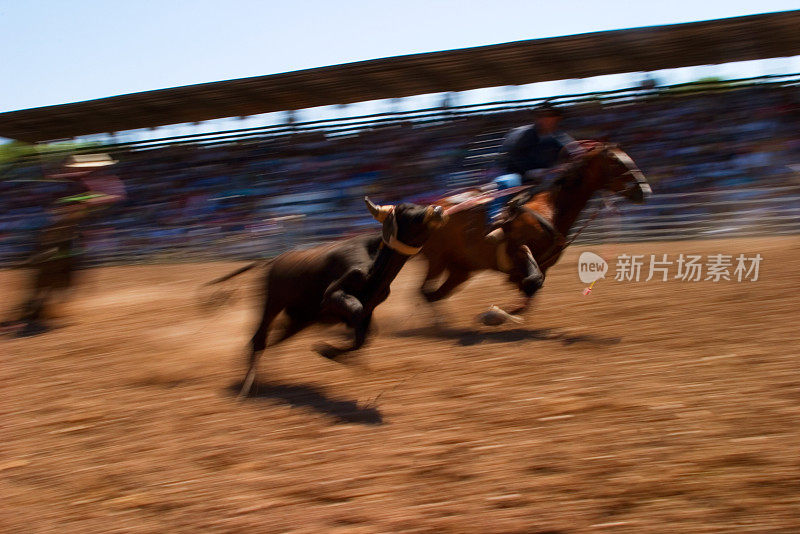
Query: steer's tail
(237, 272)
(211, 299)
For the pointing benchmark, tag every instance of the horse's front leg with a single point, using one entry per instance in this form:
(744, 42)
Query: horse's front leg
(534, 277)
(532, 281)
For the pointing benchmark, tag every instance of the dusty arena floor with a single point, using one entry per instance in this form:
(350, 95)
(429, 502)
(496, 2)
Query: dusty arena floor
(649, 407)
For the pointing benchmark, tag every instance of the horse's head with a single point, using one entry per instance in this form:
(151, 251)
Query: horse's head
(619, 174)
(407, 226)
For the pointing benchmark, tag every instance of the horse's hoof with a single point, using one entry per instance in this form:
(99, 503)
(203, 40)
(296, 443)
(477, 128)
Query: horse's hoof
(531, 285)
(491, 319)
(495, 317)
(328, 351)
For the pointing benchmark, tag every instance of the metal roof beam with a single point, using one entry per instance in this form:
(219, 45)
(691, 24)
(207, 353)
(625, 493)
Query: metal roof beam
(576, 56)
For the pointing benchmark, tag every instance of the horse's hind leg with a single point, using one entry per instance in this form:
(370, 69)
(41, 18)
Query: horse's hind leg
(455, 278)
(435, 270)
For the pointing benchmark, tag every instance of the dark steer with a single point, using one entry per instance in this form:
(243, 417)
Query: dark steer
(341, 282)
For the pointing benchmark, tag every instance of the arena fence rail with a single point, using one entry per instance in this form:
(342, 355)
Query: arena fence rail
(740, 212)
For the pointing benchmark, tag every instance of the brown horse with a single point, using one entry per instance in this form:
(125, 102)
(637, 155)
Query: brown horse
(532, 235)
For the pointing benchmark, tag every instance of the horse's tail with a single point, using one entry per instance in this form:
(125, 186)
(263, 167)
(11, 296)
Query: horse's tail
(211, 300)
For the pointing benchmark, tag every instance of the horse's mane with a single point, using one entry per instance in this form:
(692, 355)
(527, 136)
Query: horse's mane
(573, 157)
(578, 149)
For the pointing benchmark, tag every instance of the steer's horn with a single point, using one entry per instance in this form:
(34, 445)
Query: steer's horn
(378, 212)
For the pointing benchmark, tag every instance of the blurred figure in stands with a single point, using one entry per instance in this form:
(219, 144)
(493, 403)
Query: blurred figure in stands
(90, 176)
(58, 251)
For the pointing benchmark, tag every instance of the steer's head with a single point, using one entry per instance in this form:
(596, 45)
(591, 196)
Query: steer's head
(406, 226)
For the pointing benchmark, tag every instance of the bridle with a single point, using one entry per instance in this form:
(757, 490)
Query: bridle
(559, 242)
(632, 170)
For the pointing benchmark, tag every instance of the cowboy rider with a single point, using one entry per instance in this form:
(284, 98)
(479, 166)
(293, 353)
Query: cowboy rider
(529, 152)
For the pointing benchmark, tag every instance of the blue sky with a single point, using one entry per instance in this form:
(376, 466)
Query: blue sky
(63, 51)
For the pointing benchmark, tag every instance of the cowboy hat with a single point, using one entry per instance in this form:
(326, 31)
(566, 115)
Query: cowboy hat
(86, 161)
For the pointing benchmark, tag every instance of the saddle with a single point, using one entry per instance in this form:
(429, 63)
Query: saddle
(475, 199)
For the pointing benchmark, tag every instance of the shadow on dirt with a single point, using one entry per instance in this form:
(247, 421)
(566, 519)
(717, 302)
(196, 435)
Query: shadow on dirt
(303, 396)
(19, 329)
(472, 336)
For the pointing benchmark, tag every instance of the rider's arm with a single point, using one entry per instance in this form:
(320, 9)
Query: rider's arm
(564, 138)
(535, 176)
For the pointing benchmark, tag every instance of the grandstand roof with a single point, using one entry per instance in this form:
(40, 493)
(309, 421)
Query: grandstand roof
(575, 56)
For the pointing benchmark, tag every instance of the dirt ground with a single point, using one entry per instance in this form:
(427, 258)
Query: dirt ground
(644, 407)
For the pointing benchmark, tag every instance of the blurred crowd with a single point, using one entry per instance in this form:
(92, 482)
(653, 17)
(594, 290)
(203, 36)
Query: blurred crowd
(258, 197)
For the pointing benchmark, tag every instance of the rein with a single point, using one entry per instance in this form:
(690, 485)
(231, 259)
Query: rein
(559, 241)
(557, 248)
(632, 171)
(584, 225)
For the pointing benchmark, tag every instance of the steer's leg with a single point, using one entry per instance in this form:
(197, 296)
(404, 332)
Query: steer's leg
(354, 315)
(361, 330)
(342, 304)
(257, 345)
(293, 326)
